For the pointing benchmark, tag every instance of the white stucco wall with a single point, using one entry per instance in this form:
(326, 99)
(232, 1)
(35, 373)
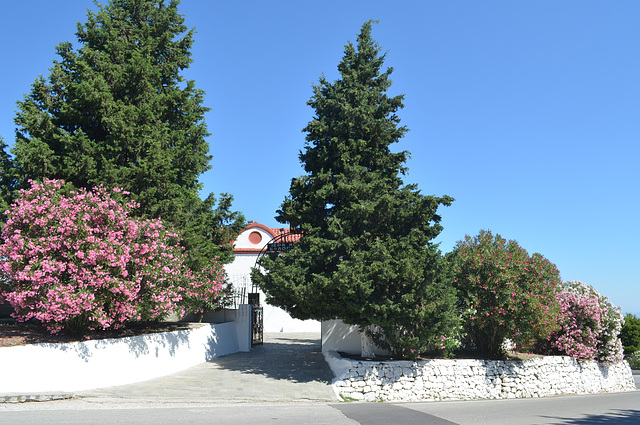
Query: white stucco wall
(241, 267)
(242, 241)
(109, 362)
(338, 336)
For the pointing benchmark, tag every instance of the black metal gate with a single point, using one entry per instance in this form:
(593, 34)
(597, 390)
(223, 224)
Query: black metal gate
(257, 325)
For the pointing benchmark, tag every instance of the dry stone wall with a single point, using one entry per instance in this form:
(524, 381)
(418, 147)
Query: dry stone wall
(444, 379)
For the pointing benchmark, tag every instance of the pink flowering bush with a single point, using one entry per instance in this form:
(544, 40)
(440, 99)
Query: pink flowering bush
(77, 260)
(504, 292)
(590, 325)
(206, 291)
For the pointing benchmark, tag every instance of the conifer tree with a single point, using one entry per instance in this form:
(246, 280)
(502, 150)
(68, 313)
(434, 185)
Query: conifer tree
(7, 180)
(116, 111)
(366, 255)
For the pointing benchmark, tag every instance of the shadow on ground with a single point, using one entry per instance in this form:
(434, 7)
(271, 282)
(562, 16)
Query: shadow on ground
(292, 358)
(623, 417)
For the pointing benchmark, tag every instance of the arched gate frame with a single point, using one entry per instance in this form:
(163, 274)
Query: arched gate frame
(278, 244)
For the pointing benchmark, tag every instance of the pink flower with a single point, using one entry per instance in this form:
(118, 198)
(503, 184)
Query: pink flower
(124, 268)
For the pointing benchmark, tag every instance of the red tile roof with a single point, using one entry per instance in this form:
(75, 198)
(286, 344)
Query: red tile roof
(278, 234)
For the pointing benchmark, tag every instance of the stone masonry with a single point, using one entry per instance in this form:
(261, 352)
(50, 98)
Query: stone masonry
(445, 379)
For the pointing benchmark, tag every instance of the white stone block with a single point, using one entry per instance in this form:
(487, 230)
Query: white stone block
(371, 396)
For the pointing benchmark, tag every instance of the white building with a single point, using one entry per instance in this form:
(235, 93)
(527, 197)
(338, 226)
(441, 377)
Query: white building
(247, 247)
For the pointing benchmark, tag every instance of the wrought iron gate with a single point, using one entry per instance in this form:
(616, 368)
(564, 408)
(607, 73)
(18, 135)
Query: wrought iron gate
(257, 325)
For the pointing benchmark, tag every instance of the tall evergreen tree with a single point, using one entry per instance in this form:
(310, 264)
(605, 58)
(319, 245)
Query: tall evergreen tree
(117, 112)
(8, 182)
(366, 255)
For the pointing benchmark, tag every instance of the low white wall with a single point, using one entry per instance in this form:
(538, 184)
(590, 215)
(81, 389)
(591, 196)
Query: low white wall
(241, 316)
(108, 362)
(338, 336)
(278, 320)
(445, 379)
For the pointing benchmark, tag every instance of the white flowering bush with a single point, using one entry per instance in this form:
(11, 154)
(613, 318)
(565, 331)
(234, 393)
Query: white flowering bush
(590, 325)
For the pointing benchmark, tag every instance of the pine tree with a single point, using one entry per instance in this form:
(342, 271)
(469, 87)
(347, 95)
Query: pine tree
(117, 112)
(366, 255)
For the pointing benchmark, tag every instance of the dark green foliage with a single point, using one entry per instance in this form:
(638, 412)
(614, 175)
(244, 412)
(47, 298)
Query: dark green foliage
(505, 293)
(630, 334)
(8, 183)
(116, 112)
(366, 255)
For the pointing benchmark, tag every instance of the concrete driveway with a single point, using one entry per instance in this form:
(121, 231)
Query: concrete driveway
(287, 367)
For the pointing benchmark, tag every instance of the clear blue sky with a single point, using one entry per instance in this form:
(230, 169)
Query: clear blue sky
(526, 112)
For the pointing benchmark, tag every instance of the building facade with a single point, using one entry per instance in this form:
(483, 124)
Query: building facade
(248, 246)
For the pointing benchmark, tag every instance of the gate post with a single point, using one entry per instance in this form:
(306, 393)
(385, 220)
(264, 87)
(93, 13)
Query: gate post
(244, 326)
(257, 326)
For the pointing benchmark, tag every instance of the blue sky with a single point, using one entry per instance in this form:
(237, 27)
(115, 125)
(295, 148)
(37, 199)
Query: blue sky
(525, 112)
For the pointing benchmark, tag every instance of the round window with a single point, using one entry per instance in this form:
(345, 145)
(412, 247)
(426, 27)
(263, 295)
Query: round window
(255, 238)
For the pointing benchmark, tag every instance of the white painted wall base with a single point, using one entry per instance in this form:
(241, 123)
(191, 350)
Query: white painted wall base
(278, 320)
(338, 336)
(109, 362)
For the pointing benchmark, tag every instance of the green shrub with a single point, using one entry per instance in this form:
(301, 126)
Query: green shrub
(634, 362)
(630, 334)
(505, 293)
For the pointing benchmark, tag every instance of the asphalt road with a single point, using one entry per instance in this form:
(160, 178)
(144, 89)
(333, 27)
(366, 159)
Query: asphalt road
(619, 408)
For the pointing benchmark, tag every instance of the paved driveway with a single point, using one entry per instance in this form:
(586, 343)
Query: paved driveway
(287, 367)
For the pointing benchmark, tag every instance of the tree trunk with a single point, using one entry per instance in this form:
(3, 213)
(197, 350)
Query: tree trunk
(366, 344)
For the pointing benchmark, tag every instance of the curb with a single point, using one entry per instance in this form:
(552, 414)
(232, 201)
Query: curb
(23, 398)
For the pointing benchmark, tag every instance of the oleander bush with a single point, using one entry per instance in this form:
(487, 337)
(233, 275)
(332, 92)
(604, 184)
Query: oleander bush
(206, 290)
(505, 293)
(590, 325)
(77, 260)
